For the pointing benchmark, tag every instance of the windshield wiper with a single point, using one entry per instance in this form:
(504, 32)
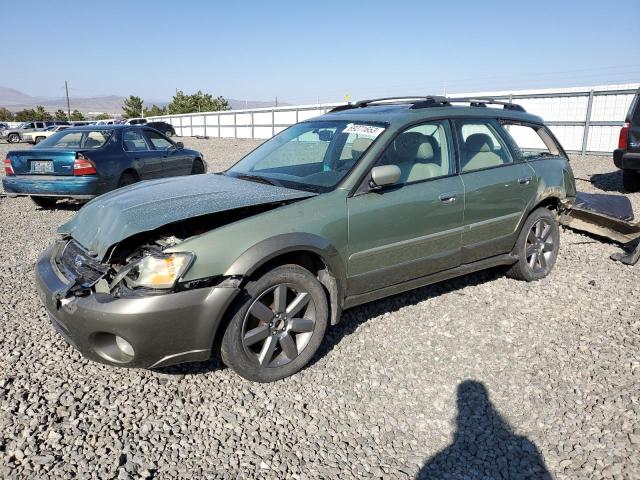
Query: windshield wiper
(258, 179)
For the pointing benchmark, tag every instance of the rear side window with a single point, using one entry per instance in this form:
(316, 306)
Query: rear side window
(481, 145)
(133, 141)
(530, 141)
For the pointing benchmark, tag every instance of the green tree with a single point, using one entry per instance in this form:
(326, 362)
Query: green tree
(198, 102)
(42, 114)
(155, 111)
(76, 115)
(102, 116)
(25, 115)
(60, 115)
(5, 115)
(132, 106)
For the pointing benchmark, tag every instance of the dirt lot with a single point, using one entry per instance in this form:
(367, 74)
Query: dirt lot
(478, 377)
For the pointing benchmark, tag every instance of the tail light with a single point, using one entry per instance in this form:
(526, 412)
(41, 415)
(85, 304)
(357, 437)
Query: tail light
(83, 166)
(623, 141)
(8, 168)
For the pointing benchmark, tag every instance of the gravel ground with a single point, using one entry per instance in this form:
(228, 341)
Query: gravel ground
(479, 377)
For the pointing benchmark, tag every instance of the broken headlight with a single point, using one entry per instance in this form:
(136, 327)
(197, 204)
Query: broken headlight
(158, 270)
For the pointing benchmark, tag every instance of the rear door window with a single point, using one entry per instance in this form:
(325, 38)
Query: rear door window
(481, 146)
(134, 141)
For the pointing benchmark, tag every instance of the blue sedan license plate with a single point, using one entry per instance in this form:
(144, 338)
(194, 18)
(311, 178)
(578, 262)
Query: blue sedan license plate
(42, 166)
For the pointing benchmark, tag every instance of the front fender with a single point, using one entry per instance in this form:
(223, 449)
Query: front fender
(262, 252)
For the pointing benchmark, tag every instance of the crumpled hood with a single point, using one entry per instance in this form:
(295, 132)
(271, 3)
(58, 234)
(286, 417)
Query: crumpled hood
(145, 206)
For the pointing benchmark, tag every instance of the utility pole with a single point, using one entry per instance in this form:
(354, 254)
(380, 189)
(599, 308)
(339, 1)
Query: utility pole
(276, 100)
(66, 87)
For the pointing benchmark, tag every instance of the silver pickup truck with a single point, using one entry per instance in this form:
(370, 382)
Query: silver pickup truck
(14, 135)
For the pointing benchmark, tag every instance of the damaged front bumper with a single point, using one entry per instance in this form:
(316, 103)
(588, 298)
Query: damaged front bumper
(141, 331)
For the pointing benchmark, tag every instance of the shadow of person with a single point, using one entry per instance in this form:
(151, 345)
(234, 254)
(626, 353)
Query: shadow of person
(484, 446)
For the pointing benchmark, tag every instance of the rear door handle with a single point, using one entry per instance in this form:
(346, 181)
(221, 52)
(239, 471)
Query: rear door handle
(524, 180)
(449, 197)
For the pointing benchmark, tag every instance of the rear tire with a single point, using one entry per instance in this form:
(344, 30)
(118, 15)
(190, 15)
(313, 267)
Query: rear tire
(631, 180)
(44, 202)
(127, 178)
(13, 138)
(198, 167)
(38, 140)
(278, 324)
(537, 246)
(168, 133)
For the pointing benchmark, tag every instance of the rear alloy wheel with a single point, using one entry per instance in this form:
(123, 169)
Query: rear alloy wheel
(198, 167)
(127, 178)
(631, 180)
(277, 325)
(168, 133)
(537, 246)
(13, 138)
(44, 202)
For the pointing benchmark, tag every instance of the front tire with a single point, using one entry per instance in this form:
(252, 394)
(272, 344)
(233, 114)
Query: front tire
(44, 202)
(277, 326)
(13, 138)
(198, 167)
(537, 246)
(631, 180)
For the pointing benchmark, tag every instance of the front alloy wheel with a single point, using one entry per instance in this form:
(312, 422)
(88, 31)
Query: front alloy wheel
(277, 324)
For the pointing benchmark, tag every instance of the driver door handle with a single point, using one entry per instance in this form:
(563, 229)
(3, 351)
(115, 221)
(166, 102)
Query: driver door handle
(448, 197)
(524, 180)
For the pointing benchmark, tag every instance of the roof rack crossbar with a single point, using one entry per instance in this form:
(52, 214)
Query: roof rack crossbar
(365, 103)
(484, 101)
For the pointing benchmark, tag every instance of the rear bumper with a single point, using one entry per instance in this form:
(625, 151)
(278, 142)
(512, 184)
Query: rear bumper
(162, 329)
(80, 187)
(625, 160)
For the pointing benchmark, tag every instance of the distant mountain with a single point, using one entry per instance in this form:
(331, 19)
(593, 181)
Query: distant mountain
(15, 100)
(11, 96)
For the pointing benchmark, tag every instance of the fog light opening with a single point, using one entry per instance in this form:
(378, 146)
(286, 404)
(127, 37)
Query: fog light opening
(112, 348)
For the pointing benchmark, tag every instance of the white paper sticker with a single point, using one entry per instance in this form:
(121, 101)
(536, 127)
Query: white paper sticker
(368, 130)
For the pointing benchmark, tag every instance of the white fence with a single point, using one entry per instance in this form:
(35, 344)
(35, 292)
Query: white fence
(585, 120)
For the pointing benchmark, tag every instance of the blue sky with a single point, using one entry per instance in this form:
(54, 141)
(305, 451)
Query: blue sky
(301, 51)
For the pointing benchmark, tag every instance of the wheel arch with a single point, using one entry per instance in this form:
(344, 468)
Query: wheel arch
(307, 250)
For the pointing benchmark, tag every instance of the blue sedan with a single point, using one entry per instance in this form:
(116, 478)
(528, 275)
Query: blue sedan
(84, 162)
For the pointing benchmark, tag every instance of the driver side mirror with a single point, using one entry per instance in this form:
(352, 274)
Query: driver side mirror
(384, 175)
(179, 145)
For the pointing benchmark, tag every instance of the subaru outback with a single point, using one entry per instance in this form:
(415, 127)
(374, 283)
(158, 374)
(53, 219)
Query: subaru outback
(255, 263)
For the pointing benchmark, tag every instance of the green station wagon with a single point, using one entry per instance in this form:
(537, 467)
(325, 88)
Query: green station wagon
(255, 263)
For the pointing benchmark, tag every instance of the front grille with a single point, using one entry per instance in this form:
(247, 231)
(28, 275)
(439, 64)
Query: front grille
(76, 264)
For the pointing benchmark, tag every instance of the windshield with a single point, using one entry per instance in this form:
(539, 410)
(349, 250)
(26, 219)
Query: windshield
(77, 139)
(313, 156)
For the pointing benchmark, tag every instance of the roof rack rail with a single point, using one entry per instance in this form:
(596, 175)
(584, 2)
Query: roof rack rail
(484, 101)
(431, 101)
(418, 99)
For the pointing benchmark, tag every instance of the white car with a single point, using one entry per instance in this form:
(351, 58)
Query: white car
(36, 137)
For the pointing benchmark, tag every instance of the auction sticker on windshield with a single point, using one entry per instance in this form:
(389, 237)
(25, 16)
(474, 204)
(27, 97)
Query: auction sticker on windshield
(364, 130)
